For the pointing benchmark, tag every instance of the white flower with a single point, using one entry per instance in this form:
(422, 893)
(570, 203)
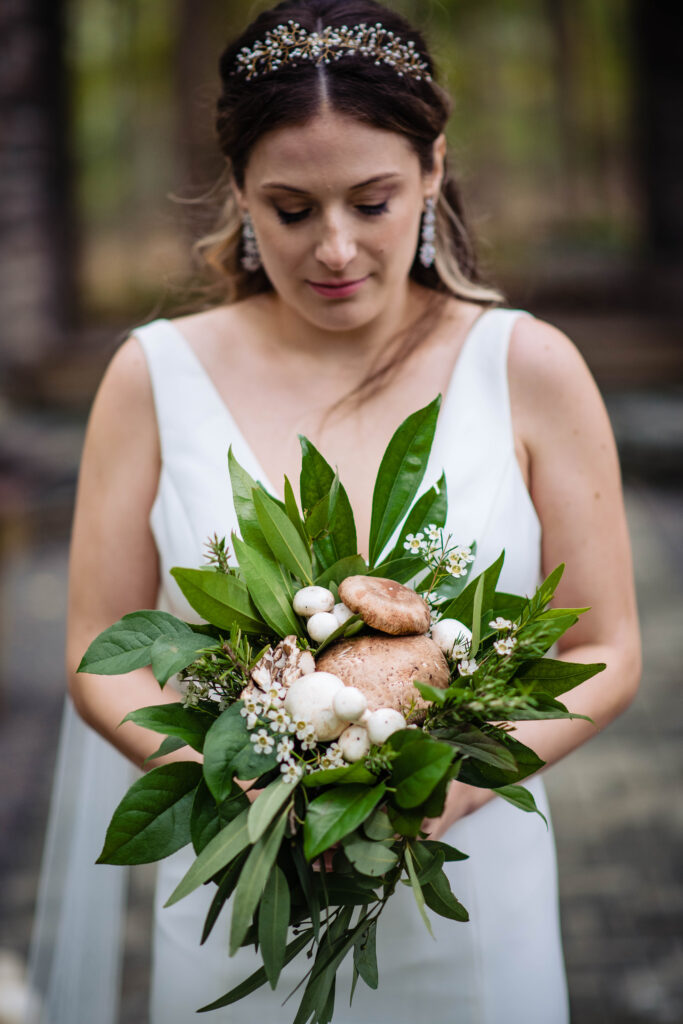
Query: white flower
(279, 719)
(251, 707)
(275, 694)
(456, 569)
(467, 667)
(284, 749)
(263, 741)
(501, 623)
(414, 543)
(462, 553)
(506, 646)
(433, 532)
(460, 649)
(291, 771)
(251, 720)
(308, 740)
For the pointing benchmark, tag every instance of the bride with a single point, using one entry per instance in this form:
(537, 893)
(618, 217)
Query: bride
(350, 297)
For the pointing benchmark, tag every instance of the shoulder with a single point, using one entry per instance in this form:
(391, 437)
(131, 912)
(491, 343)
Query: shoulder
(227, 322)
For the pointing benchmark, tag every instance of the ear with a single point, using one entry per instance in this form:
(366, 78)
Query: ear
(239, 196)
(433, 180)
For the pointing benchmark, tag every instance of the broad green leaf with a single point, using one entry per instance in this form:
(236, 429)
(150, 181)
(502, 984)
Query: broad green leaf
(316, 479)
(267, 589)
(400, 474)
(292, 510)
(520, 797)
(242, 490)
(282, 537)
(319, 518)
(153, 819)
(266, 805)
(450, 853)
(418, 769)
(439, 897)
(172, 654)
(208, 817)
(554, 677)
(474, 743)
(174, 720)
(342, 890)
(406, 822)
(428, 863)
(219, 598)
(223, 848)
(400, 569)
(228, 752)
(369, 856)
(432, 507)
(259, 977)
(461, 607)
(167, 746)
(417, 889)
(273, 919)
(127, 644)
(253, 880)
(347, 773)
(378, 826)
(365, 955)
(431, 693)
(351, 565)
(479, 773)
(509, 606)
(335, 813)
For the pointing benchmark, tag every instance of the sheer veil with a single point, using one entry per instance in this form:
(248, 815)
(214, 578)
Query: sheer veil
(75, 956)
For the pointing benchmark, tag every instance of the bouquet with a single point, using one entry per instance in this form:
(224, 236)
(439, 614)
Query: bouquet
(317, 730)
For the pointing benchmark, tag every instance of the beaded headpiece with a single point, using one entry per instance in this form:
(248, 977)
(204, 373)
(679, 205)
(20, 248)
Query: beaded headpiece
(291, 44)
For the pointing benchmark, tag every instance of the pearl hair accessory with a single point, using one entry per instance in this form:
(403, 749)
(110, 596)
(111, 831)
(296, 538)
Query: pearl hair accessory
(251, 259)
(291, 44)
(428, 249)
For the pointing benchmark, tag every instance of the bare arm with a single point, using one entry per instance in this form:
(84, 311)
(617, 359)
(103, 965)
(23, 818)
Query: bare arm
(113, 563)
(575, 485)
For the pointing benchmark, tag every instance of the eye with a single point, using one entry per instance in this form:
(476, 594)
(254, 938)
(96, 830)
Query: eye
(374, 211)
(291, 218)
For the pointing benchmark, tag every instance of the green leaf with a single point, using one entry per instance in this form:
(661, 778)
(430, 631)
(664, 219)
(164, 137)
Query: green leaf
(266, 805)
(341, 890)
(219, 598)
(480, 773)
(172, 654)
(431, 693)
(348, 628)
(273, 920)
(318, 518)
(316, 480)
(418, 769)
(520, 797)
(430, 862)
(462, 607)
(400, 569)
(432, 507)
(308, 890)
(476, 615)
(335, 813)
(253, 880)
(417, 889)
(292, 511)
(228, 752)
(400, 474)
(351, 565)
(450, 853)
(545, 593)
(282, 537)
(369, 856)
(167, 746)
(347, 773)
(439, 897)
(259, 977)
(378, 826)
(153, 819)
(226, 887)
(208, 817)
(174, 720)
(365, 955)
(554, 677)
(267, 589)
(406, 822)
(473, 743)
(127, 644)
(243, 487)
(223, 848)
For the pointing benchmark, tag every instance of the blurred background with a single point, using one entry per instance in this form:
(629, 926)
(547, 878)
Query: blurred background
(568, 137)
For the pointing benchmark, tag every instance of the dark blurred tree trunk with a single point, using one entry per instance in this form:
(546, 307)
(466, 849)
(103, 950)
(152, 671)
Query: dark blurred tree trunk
(36, 225)
(658, 96)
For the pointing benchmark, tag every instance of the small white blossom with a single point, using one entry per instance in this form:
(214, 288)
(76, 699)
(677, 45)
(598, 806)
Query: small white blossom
(280, 720)
(506, 646)
(252, 720)
(433, 532)
(461, 553)
(500, 623)
(291, 771)
(308, 740)
(251, 707)
(467, 667)
(275, 694)
(456, 569)
(284, 749)
(414, 543)
(263, 741)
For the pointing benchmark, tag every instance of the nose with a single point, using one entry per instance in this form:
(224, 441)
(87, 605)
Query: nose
(337, 246)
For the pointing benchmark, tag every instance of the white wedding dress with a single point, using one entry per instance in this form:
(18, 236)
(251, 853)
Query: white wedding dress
(506, 964)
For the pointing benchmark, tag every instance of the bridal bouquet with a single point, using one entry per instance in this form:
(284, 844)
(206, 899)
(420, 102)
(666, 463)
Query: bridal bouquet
(330, 721)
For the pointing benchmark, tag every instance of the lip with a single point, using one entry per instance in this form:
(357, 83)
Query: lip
(337, 289)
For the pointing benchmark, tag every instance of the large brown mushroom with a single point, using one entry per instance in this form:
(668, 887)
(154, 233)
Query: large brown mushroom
(385, 604)
(385, 667)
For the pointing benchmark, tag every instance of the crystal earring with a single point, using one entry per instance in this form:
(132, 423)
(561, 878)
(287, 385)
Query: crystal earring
(428, 234)
(251, 257)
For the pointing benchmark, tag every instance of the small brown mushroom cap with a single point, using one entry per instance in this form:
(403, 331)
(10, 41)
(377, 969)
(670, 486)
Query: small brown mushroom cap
(385, 667)
(385, 604)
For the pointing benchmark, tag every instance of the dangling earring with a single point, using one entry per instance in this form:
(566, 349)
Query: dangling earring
(428, 249)
(251, 258)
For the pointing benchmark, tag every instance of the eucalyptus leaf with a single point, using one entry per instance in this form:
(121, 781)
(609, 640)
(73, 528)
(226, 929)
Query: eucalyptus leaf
(335, 813)
(400, 474)
(127, 645)
(174, 720)
(253, 879)
(369, 856)
(378, 825)
(223, 848)
(153, 819)
(282, 537)
(219, 598)
(268, 590)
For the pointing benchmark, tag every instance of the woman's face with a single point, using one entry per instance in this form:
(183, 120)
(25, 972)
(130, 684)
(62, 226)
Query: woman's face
(336, 207)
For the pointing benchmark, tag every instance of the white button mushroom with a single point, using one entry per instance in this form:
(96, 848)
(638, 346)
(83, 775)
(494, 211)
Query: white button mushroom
(341, 613)
(310, 600)
(354, 743)
(382, 723)
(452, 637)
(350, 704)
(311, 699)
(321, 625)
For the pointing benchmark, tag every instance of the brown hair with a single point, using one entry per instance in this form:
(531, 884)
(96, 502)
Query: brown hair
(372, 93)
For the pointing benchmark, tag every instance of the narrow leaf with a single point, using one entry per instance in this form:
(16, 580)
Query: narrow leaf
(174, 720)
(432, 507)
(417, 890)
(292, 510)
(229, 842)
(476, 615)
(335, 813)
(273, 920)
(282, 537)
(219, 598)
(252, 881)
(242, 490)
(521, 797)
(267, 589)
(266, 805)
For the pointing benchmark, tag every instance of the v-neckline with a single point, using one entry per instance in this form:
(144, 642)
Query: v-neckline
(260, 475)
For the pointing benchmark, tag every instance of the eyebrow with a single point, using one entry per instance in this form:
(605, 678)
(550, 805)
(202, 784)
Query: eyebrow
(303, 192)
